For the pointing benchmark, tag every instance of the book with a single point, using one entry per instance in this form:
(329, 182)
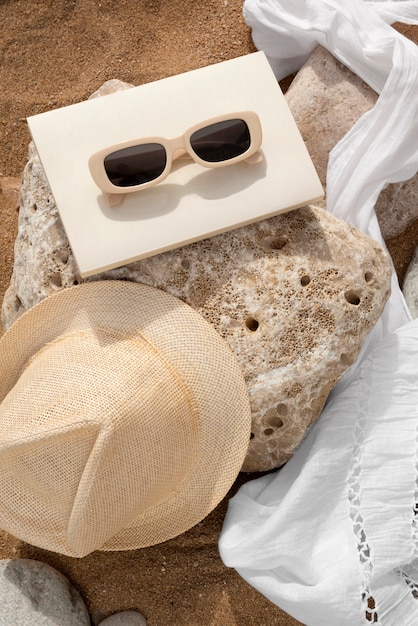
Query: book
(193, 202)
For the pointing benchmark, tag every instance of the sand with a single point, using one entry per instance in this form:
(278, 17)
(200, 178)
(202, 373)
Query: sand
(57, 52)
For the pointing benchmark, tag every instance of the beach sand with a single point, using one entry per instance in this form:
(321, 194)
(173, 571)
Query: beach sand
(55, 53)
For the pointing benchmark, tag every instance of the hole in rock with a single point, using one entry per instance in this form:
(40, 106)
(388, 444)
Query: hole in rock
(275, 421)
(277, 243)
(268, 431)
(251, 324)
(18, 304)
(305, 280)
(56, 279)
(282, 409)
(63, 256)
(185, 264)
(252, 436)
(352, 297)
(368, 276)
(347, 359)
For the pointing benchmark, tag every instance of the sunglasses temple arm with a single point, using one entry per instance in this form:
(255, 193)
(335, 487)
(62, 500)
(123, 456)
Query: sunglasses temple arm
(113, 199)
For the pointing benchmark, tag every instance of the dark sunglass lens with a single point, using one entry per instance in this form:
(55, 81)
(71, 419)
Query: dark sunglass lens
(221, 141)
(136, 165)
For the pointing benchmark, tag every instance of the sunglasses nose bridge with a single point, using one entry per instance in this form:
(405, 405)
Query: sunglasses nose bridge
(178, 147)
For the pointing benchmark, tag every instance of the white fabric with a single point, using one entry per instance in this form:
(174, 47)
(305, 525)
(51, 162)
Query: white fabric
(338, 525)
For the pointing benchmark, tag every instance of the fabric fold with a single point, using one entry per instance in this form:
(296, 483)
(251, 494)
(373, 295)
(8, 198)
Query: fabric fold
(331, 527)
(331, 538)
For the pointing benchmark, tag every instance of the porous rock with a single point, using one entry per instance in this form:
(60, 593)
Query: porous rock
(33, 593)
(326, 100)
(294, 296)
(410, 285)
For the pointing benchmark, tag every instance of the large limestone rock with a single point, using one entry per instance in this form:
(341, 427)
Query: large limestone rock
(294, 296)
(326, 99)
(410, 285)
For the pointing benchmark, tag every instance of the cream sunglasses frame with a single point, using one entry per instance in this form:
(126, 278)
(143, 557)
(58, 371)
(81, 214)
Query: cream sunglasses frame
(175, 148)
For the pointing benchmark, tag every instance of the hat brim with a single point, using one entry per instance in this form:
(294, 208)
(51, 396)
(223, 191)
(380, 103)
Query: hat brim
(203, 359)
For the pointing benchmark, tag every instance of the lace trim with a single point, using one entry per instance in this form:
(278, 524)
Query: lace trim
(409, 573)
(415, 509)
(354, 497)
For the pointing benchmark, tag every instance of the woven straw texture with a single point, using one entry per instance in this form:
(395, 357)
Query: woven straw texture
(124, 419)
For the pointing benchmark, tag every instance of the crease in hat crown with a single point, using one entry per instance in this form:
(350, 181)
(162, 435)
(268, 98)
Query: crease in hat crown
(124, 419)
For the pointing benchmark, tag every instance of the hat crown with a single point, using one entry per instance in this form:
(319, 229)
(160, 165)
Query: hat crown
(97, 429)
(124, 419)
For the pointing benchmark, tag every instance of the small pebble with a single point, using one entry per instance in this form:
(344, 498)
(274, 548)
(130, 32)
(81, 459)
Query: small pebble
(34, 593)
(125, 618)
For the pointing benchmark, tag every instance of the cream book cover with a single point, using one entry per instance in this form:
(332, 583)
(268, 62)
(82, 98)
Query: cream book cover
(193, 202)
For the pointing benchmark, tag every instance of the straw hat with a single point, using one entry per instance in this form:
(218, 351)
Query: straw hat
(124, 419)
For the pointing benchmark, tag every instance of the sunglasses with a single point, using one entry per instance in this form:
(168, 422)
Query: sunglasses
(139, 164)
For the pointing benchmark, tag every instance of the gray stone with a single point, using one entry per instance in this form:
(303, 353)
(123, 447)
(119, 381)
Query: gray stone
(326, 99)
(110, 86)
(34, 594)
(410, 285)
(125, 618)
(294, 296)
